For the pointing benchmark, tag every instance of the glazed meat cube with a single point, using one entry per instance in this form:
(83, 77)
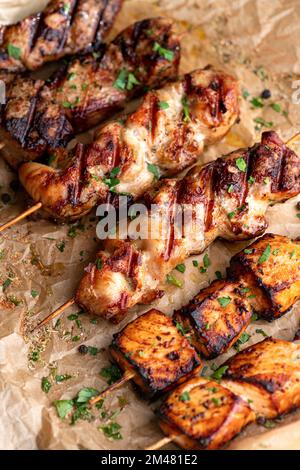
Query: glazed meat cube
(267, 375)
(216, 317)
(153, 348)
(271, 267)
(201, 414)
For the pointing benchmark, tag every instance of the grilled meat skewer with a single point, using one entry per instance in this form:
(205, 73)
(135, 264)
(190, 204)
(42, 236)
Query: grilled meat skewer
(63, 28)
(261, 382)
(213, 321)
(39, 116)
(264, 279)
(134, 271)
(167, 132)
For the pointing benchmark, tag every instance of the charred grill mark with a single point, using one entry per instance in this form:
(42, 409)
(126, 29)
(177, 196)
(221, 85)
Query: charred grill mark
(35, 27)
(30, 118)
(153, 115)
(97, 34)
(209, 207)
(70, 14)
(171, 218)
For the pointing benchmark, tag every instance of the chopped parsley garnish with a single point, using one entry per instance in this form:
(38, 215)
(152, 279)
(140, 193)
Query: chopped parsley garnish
(6, 284)
(242, 340)
(216, 401)
(257, 102)
(185, 396)
(163, 52)
(34, 293)
(71, 76)
(248, 251)
(111, 374)
(112, 431)
(262, 122)
(230, 188)
(34, 356)
(265, 255)
(218, 374)
(45, 385)
(206, 261)
(293, 254)
(125, 80)
(61, 246)
(230, 215)
(195, 263)
(261, 332)
(254, 317)
(298, 215)
(186, 109)
(181, 268)
(85, 394)
(173, 280)
(14, 51)
(276, 107)
(251, 180)
(180, 328)
(163, 105)
(218, 274)
(99, 264)
(62, 378)
(245, 94)
(224, 301)
(154, 170)
(112, 181)
(241, 164)
(63, 407)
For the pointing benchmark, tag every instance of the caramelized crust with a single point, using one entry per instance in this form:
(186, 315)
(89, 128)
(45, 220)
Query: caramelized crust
(267, 375)
(63, 28)
(272, 269)
(41, 116)
(151, 135)
(158, 354)
(202, 414)
(213, 326)
(219, 314)
(134, 271)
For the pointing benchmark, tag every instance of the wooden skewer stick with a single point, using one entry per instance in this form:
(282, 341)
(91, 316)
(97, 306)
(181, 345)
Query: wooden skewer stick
(128, 375)
(161, 443)
(293, 139)
(21, 216)
(55, 313)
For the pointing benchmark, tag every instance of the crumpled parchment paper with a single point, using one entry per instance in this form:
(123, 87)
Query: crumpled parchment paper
(258, 42)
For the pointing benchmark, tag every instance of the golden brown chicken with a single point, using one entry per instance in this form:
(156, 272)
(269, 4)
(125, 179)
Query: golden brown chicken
(202, 414)
(267, 375)
(164, 135)
(156, 352)
(134, 271)
(40, 116)
(64, 27)
(217, 316)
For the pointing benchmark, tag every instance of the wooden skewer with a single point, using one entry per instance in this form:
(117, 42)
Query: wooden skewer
(161, 443)
(128, 375)
(293, 139)
(21, 216)
(55, 313)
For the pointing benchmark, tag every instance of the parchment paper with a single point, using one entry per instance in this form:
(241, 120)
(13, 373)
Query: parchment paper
(258, 41)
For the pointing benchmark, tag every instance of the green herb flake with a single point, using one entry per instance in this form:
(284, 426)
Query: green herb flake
(6, 284)
(218, 275)
(216, 401)
(261, 332)
(262, 122)
(61, 246)
(111, 374)
(206, 261)
(99, 264)
(265, 255)
(276, 107)
(230, 215)
(63, 407)
(185, 396)
(174, 281)
(195, 263)
(248, 251)
(230, 188)
(181, 328)
(14, 51)
(241, 164)
(62, 378)
(71, 76)
(165, 53)
(242, 340)
(34, 293)
(186, 109)
(112, 431)
(257, 103)
(154, 170)
(251, 180)
(218, 374)
(45, 384)
(163, 105)
(85, 394)
(245, 94)
(132, 81)
(181, 268)
(224, 301)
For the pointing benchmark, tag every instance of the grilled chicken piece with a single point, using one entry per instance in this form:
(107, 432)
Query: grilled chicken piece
(271, 269)
(201, 414)
(220, 313)
(158, 354)
(39, 117)
(216, 317)
(134, 271)
(267, 375)
(153, 134)
(63, 28)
